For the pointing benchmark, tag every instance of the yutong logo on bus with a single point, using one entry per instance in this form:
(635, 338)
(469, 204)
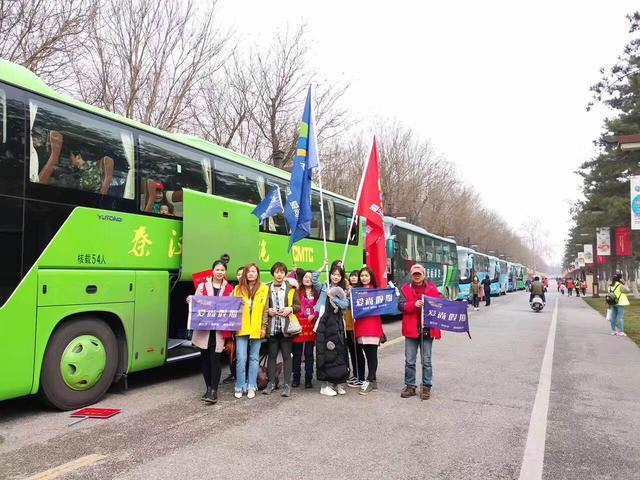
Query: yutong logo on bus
(109, 218)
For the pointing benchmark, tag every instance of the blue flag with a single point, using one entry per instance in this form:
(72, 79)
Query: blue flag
(297, 210)
(270, 206)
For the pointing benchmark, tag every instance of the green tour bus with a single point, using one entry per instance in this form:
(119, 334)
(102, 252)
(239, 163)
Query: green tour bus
(104, 222)
(408, 244)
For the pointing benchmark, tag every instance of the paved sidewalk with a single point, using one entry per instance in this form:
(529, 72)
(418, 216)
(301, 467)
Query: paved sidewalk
(594, 416)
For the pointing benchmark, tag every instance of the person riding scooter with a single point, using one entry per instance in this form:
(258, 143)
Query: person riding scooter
(537, 290)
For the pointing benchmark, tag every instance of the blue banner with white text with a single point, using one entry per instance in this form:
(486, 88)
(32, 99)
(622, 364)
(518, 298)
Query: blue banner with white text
(369, 302)
(445, 315)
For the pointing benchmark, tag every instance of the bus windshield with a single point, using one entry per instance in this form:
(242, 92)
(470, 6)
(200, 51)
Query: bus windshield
(465, 264)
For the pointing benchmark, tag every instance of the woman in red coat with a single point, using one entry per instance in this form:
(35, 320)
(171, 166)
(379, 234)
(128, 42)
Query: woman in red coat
(368, 333)
(410, 304)
(306, 340)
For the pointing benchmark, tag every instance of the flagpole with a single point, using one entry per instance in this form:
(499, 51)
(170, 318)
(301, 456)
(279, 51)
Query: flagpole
(355, 208)
(324, 233)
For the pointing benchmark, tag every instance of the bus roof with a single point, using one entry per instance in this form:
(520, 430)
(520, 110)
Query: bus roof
(394, 222)
(471, 250)
(25, 79)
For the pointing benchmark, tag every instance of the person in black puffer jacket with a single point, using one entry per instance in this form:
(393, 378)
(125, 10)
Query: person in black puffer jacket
(331, 359)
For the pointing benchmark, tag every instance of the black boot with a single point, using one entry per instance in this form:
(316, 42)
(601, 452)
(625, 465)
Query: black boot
(229, 379)
(204, 396)
(211, 396)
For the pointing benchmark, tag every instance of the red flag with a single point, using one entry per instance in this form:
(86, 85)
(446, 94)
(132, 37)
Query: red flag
(623, 241)
(370, 207)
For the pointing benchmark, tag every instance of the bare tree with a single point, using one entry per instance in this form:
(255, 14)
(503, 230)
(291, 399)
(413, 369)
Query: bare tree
(146, 59)
(223, 110)
(43, 35)
(281, 77)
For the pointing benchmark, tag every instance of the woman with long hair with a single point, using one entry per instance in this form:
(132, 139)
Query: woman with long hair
(249, 338)
(304, 343)
(332, 369)
(211, 343)
(368, 332)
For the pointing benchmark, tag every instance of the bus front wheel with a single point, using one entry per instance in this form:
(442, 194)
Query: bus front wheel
(79, 364)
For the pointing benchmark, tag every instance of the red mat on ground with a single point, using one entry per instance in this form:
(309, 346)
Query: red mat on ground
(96, 412)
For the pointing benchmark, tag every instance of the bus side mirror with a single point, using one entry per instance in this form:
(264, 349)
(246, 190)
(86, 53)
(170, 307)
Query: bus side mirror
(391, 246)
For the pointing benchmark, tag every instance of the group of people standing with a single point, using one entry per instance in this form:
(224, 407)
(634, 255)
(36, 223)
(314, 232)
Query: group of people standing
(477, 288)
(580, 286)
(298, 316)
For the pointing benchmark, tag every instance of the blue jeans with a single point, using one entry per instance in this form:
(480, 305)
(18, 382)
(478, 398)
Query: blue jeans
(243, 344)
(411, 346)
(617, 313)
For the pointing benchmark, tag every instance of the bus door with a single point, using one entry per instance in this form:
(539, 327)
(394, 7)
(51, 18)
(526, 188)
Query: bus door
(212, 226)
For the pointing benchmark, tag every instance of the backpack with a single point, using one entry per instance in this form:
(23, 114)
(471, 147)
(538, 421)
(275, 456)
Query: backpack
(611, 298)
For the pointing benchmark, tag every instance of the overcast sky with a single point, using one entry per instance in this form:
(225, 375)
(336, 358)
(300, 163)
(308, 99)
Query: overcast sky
(500, 88)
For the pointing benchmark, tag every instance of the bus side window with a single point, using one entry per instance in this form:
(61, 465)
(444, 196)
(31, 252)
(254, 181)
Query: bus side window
(429, 249)
(11, 141)
(343, 214)
(80, 151)
(244, 184)
(166, 169)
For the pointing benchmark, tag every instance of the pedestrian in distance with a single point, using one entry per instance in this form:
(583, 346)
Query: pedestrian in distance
(416, 338)
(329, 326)
(304, 344)
(357, 378)
(249, 338)
(570, 287)
(211, 343)
(368, 332)
(282, 302)
(486, 284)
(474, 288)
(583, 288)
(618, 290)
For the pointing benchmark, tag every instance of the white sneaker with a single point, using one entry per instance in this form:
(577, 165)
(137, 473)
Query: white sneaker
(613, 333)
(238, 394)
(251, 393)
(476, 309)
(622, 334)
(340, 389)
(328, 391)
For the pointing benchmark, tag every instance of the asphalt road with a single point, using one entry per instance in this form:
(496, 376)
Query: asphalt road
(477, 425)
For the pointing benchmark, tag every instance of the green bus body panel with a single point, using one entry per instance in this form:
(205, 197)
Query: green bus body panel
(73, 287)
(92, 238)
(215, 225)
(151, 317)
(17, 339)
(49, 318)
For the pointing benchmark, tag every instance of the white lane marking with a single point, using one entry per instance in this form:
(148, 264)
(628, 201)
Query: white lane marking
(392, 342)
(68, 467)
(533, 460)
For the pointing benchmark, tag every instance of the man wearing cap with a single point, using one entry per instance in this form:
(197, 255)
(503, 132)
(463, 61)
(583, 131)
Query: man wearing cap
(410, 304)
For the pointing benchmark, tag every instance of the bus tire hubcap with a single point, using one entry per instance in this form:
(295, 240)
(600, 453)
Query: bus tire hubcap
(83, 362)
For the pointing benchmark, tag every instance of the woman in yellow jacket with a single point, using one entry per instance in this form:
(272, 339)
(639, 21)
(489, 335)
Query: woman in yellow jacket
(255, 294)
(617, 310)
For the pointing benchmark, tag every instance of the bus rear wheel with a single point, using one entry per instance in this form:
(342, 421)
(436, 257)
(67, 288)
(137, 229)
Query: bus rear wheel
(79, 364)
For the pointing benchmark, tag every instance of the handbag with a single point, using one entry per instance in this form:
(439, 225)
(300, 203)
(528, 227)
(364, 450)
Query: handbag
(263, 373)
(294, 327)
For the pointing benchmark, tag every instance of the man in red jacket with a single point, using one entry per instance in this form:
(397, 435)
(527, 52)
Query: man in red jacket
(410, 304)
